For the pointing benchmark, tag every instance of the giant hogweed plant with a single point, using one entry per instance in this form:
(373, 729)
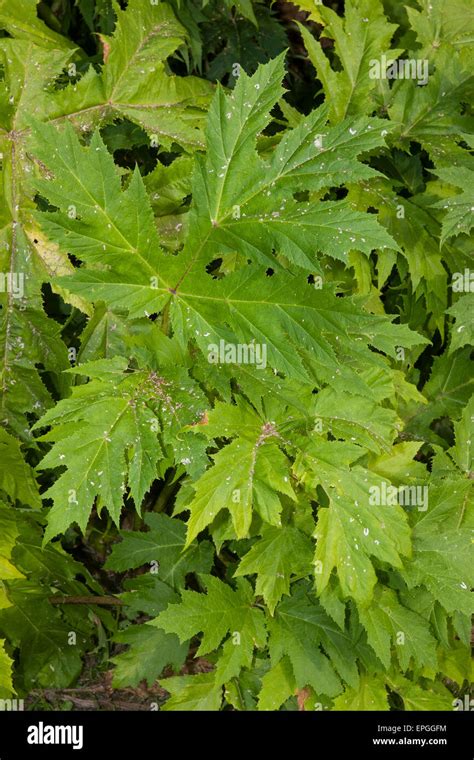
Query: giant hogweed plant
(241, 378)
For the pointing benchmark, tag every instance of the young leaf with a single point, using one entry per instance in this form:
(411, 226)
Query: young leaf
(361, 38)
(256, 478)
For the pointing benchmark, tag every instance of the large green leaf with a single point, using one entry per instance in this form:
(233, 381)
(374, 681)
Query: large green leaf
(106, 435)
(219, 612)
(301, 630)
(353, 531)
(442, 549)
(193, 693)
(388, 623)
(371, 695)
(16, 476)
(463, 331)
(280, 554)
(6, 685)
(162, 544)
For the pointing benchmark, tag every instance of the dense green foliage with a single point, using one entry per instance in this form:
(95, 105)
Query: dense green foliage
(236, 331)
